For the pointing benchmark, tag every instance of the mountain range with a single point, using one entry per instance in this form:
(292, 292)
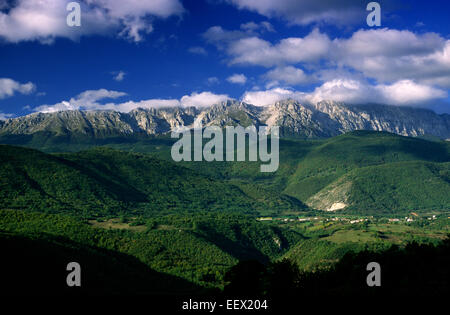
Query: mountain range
(322, 120)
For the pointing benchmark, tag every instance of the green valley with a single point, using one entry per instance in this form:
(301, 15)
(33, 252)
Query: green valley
(196, 224)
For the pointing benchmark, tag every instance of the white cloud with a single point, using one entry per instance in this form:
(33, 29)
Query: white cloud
(4, 116)
(289, 75)
(307, 11)
(381, 53)
(203, 99)
(91, 96)
(237, 79)
(390, 42)
(134, 27)
(45, 20)
(119, 76)
(344, 90)
(255, 51)
(409, 92)
(9, 87)
(269, 97)
(89, 100)
(64, 105)
(385, 55)
(391, 55)
(405, 92)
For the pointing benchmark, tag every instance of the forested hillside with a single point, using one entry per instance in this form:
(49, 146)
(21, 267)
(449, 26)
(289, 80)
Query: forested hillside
(105, 182)
(360, 172)
(130, 207)
(198, 248)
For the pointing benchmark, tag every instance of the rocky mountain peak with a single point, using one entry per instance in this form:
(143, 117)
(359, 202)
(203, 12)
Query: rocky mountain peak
(324, 119)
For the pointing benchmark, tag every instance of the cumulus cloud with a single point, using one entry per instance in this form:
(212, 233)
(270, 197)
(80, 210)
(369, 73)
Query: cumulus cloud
(385, 55)
(248, 49)
(8, 87)
(87, 100)
(256, 51)
(91, 96)
(371, 51)
(390, 55)
(307, 11)
(90, 100)
(409, 92)
(269, 97)
(45, 20)
(404, 92)
(390, 42)
(343, 90)
(289, 75)
(203, 99)
(237, 79)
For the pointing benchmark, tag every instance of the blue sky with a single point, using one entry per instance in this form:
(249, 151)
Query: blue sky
(147, 53)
